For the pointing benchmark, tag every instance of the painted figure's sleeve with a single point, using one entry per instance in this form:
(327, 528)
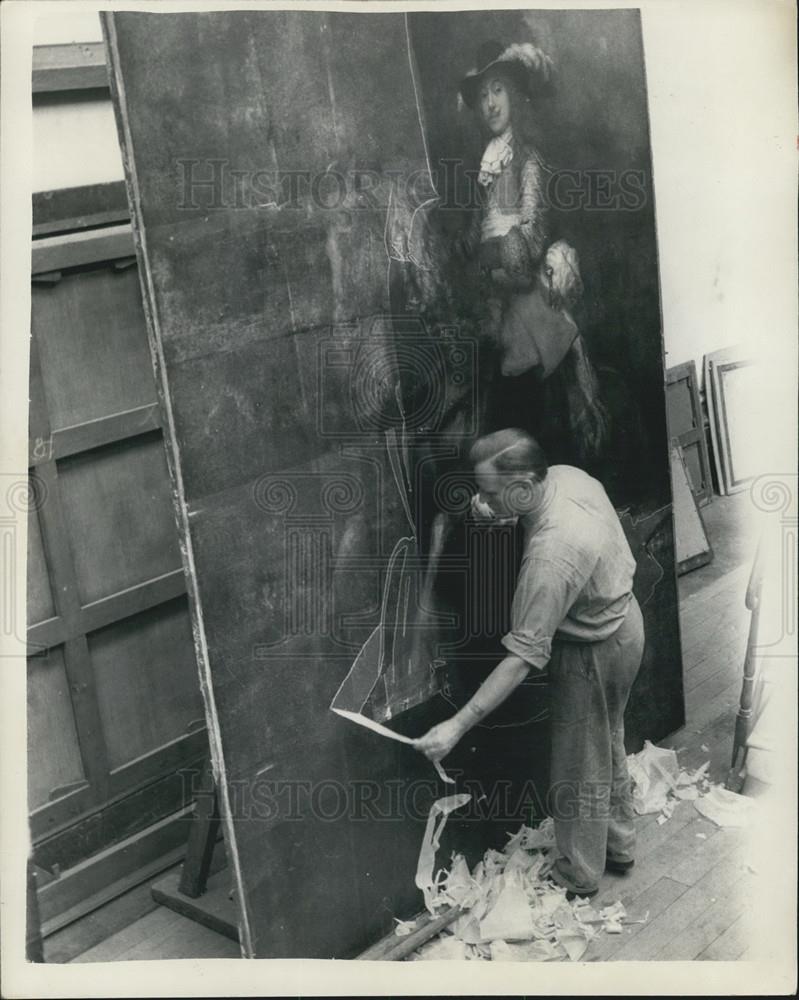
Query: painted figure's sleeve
(534, 223)
(470, 238)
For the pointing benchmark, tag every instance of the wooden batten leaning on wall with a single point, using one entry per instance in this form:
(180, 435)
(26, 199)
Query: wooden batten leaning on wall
(687, 424)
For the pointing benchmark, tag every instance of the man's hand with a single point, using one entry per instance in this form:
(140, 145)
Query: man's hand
(484, 513)
(438, 741)
(480, 510)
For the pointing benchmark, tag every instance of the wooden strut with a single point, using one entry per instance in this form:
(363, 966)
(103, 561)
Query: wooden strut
(393, 948)
(202, 837)
(34, 949)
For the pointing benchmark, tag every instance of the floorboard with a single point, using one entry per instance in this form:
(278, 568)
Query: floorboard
(656, 858)
(725, 702)
(694, 864)
(674, 934)
(697, 937)
(189, 940)
(658, 898)
(76, 939)
(730, 945)
(725, 656)
(138, 935)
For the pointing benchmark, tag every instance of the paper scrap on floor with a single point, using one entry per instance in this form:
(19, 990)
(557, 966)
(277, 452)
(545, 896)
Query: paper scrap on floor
(613, 916)
(654, 772)
(659, 781)
(726, 808)
(511, 911)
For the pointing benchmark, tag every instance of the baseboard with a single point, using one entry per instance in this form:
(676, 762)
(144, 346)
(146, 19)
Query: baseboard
(99, 879)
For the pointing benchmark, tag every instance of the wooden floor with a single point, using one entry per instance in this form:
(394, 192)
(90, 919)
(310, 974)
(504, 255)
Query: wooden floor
(691, 879)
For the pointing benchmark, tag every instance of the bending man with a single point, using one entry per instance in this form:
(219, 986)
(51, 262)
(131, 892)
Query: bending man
(574, 611)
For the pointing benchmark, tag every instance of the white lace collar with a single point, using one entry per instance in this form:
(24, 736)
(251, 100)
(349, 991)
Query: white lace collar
(498, 154)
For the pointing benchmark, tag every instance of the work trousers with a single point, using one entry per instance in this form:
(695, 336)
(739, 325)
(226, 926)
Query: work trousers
(590, 796)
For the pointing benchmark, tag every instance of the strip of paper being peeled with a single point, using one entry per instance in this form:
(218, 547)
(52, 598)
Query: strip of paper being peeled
(381, 730)
(376, 727)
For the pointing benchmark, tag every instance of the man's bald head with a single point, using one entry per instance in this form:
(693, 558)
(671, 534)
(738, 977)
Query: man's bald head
(510, 450)
(510, 467)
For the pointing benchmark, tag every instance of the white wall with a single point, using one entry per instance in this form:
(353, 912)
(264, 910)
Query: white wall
(62, 29)
(75, 142)
(718, 139)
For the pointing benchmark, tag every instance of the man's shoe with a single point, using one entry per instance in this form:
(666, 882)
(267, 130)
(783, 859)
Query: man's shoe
(574, 894)
(619, 867)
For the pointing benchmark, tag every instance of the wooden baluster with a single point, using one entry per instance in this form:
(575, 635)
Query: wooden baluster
(743, 720)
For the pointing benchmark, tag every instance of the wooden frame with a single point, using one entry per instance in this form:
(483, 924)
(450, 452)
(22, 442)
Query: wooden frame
(689, 528)
(692, 437)
(143, 800)
(127, 815)
(718, 366)
(70, 209)
(74, 620)
(75, 66)
(115, 870)
(54, 253)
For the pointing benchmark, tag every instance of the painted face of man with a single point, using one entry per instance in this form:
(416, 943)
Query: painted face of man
(495, 101)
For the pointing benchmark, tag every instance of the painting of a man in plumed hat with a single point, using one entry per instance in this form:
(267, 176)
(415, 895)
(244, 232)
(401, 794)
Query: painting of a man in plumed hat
(531, 279)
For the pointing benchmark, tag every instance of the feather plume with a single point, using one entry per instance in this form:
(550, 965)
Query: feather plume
(531, 57)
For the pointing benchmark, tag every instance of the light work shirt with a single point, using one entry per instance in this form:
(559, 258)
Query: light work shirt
(576, 577)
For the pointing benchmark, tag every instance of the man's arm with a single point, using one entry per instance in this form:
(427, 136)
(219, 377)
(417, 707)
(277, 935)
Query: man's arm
(503, 679)
(544, 594)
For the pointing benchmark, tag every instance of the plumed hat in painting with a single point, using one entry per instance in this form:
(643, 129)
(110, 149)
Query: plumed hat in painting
(527, 65)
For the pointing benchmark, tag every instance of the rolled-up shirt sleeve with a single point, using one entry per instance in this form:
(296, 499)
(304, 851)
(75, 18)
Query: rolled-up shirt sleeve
(545, 591)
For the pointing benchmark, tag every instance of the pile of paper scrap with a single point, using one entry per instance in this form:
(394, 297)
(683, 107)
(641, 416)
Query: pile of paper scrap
(659, 782)
(511, 911)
